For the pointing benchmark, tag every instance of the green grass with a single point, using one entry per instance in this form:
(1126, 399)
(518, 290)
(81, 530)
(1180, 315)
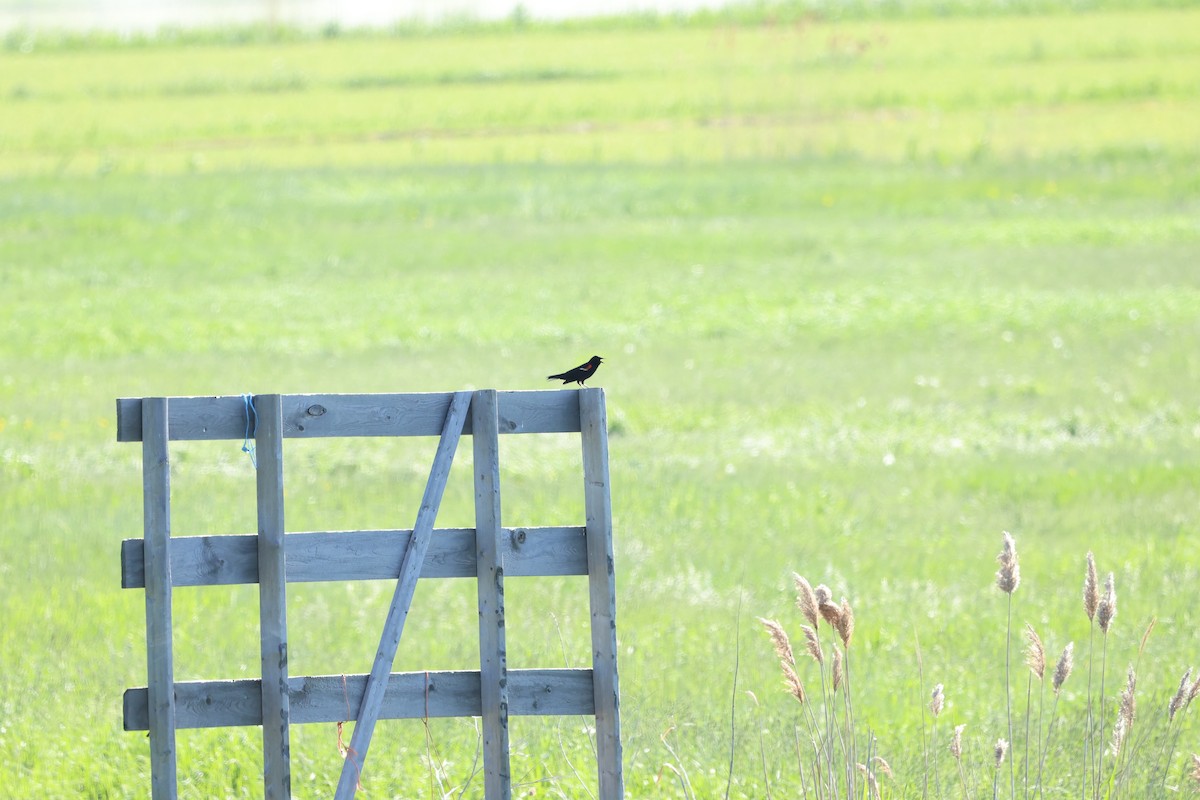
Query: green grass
(869, 291)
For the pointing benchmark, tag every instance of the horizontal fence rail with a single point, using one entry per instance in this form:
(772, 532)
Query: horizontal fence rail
(349, 415)
(335, 698)
(359, 555)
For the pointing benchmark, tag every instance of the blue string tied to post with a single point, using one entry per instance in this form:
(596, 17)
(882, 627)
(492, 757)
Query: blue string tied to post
(247, 444)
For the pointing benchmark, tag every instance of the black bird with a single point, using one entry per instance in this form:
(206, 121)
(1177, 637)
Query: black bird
(580, 373)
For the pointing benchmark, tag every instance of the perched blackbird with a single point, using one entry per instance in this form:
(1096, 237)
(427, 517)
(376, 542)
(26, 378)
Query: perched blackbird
(580, 373)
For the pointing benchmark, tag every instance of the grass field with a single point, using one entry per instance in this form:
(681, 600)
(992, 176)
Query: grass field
(870, 292)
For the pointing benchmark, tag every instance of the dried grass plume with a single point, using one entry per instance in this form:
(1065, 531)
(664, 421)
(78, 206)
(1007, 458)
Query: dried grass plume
(1008, 577)
(1091, 588)
(1062, 670)
(1181, 697)
(831, 612)
(779, 638)
(1035, 653)
(1106, 611)
(812, 643)
(806, 599)
(937, 701)
(956, 741)
(1125, 714)
(792, 682)
(1000, 750)
(845, 624)
(872, 784)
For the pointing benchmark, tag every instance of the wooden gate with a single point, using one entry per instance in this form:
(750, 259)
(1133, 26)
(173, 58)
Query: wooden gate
(157, 563)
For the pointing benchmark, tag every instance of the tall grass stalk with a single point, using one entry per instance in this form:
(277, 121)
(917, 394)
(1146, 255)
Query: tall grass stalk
(926, 736)
(737, 662)
(1106, 611)
(1088, 754)
(1008, 578)
(1093, 732)
(1122, 731)
(845, 631)
(998, 752)
(787, 660)
(762, 757)
(936, 703)
(834, 741)
(1062, 670)
(1035, 658)
(680, 771)
(1091, 603)
(1179, 702)
(956, 751)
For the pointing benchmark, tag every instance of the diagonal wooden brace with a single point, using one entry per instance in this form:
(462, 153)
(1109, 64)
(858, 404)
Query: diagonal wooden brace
(410, 569)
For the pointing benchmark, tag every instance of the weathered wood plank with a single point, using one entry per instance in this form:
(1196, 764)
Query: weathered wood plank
(323, 415)
(360, 555)
(324, 698)
(160, 669)
(493, 656)
(602, 594)
(410, 570)
(272, 600)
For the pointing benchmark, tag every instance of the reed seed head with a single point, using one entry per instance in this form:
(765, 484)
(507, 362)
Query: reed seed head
(1008, 577)
(1193, 693)
(831, 612)
(806, 599)
(1107, 610)
(884, 766)
(812, 643)
(1195, 773)
(1181, 696)
(1146, 635)
(937, 701)
(872, 784)
(1091, 588)
(791, 682)
(956, 742)
(845, 625)
(1118, 737)
(869, 776)
(999, 752)
(779, 638)
(1128, 708)
(1035, 653)
(1125, 713)
(1066, 662)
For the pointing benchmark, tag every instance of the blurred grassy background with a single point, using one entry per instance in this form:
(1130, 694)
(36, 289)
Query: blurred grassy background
(870, 290)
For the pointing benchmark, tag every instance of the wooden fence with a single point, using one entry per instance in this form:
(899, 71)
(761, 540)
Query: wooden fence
(272, 558)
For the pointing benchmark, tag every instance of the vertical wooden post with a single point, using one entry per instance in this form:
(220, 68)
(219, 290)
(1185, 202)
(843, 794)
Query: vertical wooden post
(160, 669)
(602, 592)
(410, 571)
(272, 599)
(493, 658)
